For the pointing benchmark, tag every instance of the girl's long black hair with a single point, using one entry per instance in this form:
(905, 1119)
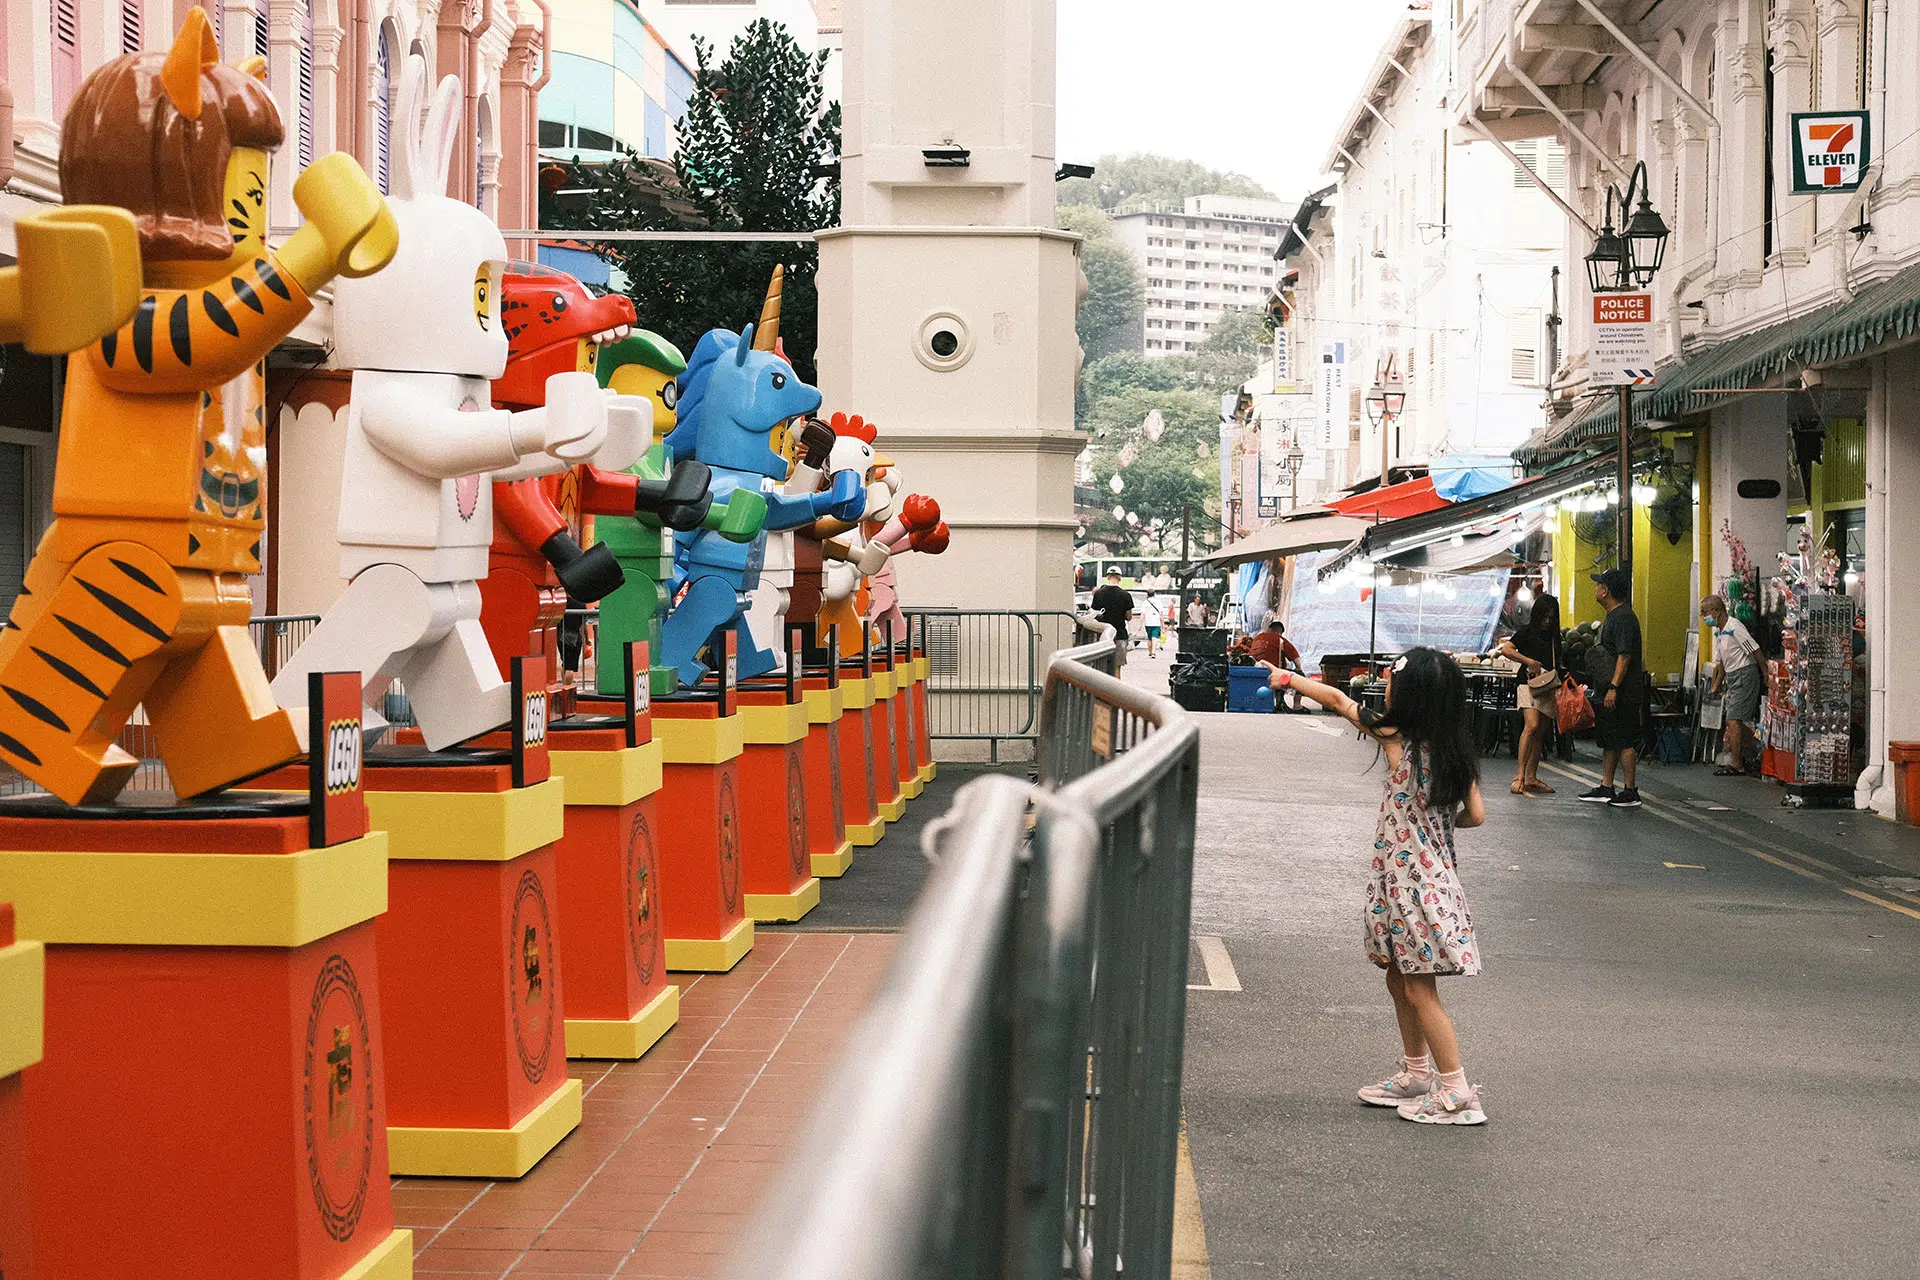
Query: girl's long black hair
(1544, 623)
(1427, 710)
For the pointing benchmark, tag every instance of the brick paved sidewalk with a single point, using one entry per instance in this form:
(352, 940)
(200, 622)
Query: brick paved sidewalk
(674, 1150)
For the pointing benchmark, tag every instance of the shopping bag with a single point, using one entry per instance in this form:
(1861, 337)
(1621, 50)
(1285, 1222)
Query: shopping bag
(1572, 711)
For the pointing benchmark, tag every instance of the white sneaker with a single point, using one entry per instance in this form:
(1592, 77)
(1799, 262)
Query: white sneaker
(1444, 1106)
(1402, 1086)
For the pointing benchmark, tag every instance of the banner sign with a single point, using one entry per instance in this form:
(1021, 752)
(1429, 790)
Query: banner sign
(1622, 340)
(1333, 397)
(1282, 358)
(1830, 151)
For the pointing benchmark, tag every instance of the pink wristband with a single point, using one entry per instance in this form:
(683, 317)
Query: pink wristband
(1286, 678)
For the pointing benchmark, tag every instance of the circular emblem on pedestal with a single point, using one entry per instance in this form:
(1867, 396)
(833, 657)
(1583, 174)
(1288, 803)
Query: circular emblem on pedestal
(837, 800)
(531, 990)
(643, 910)
(338, 1076)
(729, 844)
(796, 813)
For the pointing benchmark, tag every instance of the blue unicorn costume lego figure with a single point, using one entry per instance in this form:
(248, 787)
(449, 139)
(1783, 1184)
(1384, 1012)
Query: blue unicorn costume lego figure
(734, 406)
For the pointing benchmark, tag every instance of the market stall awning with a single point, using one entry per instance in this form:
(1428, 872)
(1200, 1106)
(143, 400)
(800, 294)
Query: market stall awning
(1312, 531)
(1390, 538)
(1408, 498)
(1880, 314)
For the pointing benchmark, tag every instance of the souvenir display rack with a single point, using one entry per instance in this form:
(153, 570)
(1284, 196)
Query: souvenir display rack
(1808, 720)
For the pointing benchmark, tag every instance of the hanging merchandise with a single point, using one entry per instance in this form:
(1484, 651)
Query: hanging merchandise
(1808, 721)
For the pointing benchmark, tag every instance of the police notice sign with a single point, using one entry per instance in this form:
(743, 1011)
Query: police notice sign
(1830, 151)
(1622, 340)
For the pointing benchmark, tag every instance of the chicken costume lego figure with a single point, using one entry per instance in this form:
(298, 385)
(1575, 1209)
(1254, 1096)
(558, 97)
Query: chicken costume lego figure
(138, 593)
(646, 365)
(736, 401)
(536, 562)
(425, 446)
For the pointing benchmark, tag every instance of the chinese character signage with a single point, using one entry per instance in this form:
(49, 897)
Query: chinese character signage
(1622, 340)
(1830, 151)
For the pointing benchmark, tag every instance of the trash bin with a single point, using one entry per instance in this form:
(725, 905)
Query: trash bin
(1243, 690)
(1905, 759)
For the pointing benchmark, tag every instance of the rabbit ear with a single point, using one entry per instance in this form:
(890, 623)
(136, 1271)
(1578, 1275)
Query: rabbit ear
(436, 142)
(406, 178)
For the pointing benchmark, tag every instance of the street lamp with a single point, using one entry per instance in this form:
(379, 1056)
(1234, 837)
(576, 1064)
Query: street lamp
(1617, 263)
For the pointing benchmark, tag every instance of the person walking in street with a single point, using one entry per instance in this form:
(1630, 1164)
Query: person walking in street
(1737, 678)
(1617, 671)
(1151, 622)
(1416, 923)
(1113, 605)
(1536, 647)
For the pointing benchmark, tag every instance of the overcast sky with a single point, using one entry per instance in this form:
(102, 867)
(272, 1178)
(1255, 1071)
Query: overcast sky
(1256, 86)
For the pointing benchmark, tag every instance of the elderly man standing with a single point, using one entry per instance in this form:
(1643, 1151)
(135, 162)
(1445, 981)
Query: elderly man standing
(1737, 678)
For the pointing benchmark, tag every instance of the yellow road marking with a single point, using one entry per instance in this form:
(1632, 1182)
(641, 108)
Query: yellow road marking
(1683, 866)
(1802, 864)
(1190, 1259)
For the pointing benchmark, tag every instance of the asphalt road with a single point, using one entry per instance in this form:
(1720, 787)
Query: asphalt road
(1703, 1069)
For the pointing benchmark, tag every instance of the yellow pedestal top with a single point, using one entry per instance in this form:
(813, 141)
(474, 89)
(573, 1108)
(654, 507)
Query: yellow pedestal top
(23, 1005)
(864, 835)
(711, 955)
(823, 705)
(391, 1259)
(831, 866)
(855, 692)
(774, 726)
(883, 683)
(470, 826)
(486, 1153)
(610, 777)
(196, 899)
(714, 741)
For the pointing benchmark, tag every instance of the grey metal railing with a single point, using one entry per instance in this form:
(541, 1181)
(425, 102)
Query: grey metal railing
(985, 671)
(1009, 1104)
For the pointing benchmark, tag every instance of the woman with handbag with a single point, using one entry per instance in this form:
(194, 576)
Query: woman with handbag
(1536, 647)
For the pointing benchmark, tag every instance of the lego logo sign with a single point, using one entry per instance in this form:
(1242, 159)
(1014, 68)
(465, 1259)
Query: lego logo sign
(343, 756)
(536, 718)
(1830, 151)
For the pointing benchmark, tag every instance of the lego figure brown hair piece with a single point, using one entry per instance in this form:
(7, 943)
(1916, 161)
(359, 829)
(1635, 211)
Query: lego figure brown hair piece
(152, 132)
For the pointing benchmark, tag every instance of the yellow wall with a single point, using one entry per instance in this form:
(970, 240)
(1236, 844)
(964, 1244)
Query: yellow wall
(1572, 565)
(1662, 583)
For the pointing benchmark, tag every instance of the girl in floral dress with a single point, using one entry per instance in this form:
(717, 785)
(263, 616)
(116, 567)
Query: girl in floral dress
(1417, 926)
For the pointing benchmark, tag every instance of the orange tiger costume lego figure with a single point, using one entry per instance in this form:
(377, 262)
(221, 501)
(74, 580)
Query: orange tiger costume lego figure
(540, 525)
(138, 594)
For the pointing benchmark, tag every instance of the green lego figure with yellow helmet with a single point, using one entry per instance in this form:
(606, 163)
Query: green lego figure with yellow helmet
(646, 364)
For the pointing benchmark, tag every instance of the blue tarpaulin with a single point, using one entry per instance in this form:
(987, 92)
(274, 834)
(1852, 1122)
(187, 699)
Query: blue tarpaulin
(1451, 612)
(1461, 477)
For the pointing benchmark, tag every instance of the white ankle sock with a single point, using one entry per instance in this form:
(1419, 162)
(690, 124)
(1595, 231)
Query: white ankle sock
(1420, 1066)
(1454, 1080)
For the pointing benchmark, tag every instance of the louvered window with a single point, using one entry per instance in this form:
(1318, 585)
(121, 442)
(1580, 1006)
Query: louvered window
(1528, 151)
(217, 10)
(383, 115)
(1524, 344)
(260, 28)
(132, 25)
(306, 89)
(64, 18)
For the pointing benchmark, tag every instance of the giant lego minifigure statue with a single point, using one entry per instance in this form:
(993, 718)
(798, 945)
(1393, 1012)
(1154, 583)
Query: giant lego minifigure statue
(735, 401)
(916, 526)
(645, 365)
(849, 557)
(138, 592)
(536, 562)
(424, 446)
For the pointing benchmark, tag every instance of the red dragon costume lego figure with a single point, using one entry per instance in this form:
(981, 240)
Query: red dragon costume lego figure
(536, 562)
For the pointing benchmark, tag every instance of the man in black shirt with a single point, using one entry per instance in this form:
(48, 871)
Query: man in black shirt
(1113, 605)
(1617, 682)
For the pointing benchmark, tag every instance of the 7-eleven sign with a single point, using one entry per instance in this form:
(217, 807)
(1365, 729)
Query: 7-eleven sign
(1830, 151)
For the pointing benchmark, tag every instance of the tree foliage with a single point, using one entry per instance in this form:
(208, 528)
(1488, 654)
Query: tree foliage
(1136, 181)
(1109, 316)
(753, 144)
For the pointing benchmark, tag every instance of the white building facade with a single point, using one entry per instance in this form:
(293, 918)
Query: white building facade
(1212, 255)
(1784, 322)
(1430, 254)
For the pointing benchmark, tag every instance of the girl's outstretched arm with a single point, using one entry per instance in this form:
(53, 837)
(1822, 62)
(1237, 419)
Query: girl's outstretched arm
(1314, 691)
(1474, 811)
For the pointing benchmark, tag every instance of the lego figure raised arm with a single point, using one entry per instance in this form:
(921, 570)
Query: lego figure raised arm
(424, 445)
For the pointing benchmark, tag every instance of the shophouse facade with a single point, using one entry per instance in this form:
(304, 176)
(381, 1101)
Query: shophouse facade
(1430, 255)
(1212, 255)
(1784, 323)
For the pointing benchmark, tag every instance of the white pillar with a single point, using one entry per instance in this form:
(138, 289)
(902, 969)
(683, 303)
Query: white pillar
(1893, 530)
(946, 299)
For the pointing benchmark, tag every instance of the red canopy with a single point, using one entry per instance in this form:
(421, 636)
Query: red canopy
(1394, 502)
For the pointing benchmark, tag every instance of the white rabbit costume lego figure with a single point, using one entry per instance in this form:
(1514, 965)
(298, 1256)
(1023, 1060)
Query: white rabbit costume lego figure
(424, 446)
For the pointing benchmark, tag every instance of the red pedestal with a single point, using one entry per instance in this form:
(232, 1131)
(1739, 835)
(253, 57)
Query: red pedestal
(211, 1101)
(828, 847)
(778, 874)
(886, 762)
(703, 904)
(923, 729)
(859, 783)
(22, 1018)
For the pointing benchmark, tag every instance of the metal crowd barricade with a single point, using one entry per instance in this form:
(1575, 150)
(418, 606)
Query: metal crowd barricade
(984, 672)
(1009, 1105)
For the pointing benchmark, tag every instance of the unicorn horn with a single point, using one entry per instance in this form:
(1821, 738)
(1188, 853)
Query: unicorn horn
(768, 332)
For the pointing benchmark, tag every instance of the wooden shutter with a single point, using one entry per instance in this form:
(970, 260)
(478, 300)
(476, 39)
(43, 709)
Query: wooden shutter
(132, 25)
(306, 89)
(64, 18)
(217, 10)
(1524, 344)
(262, 28)
(383, 117)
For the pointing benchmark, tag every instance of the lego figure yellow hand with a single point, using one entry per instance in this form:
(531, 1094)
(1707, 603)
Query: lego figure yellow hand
(78, 278)
(349, 229)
